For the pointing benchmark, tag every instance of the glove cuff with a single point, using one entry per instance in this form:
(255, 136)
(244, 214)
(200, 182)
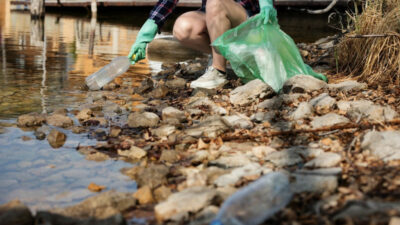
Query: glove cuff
(147, 32)
(266, 3)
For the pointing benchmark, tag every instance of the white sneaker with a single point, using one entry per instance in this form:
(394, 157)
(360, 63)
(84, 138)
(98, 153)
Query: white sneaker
(211, 79)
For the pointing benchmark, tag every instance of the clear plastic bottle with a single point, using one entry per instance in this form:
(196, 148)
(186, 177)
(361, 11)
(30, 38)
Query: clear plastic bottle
(108, 73)
(256, 202)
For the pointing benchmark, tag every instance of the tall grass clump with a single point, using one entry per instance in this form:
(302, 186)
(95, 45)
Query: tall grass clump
(371, 50)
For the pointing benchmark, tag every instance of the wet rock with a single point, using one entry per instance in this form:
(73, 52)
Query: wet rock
(177, 83)
(231, 161)
(173, 113)
(59, 120)
(100, 206)
(169, 156)
(163, 131)
(238, 121)
(384, 145)
(133, 153)
(153, 175)
(252, 169)
(323, 103)
(314, 183)
(211, 127)
(145, 86)
(349, 85)
(84, 114)
(190, 200)
(56, 138)
(249, 92)
(30, 120)
(61, 111)
(40, 135)
(330, 119)
(78, 130)
(327, 159)
(162, 193)
(159, 92)
(144, 195)
(145, 119)
(48, 218)
(302, 84)
(304, 110)
(203, 102)
(271, 104)
(15, 213)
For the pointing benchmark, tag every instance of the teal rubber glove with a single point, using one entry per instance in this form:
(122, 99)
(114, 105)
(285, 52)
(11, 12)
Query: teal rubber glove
(145, 36)
(268, 12)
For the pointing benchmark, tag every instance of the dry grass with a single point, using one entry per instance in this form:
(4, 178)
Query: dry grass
(375, 58)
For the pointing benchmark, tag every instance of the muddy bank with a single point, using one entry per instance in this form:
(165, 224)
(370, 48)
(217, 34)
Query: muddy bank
(337, 142)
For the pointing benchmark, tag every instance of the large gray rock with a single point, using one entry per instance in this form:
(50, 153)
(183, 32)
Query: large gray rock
(59, 120)
(173, 113)
(238, 121)
(302, 84)
(234, 176)
(330, 119)
(211, 127)
(349, 85)
(323, 103)
(30, 120)
(145, 119)
(367, 109)
(15, 213)
(101, 206)
(190, 200)
(249, 92)
(304, 110)
(327, 159)
(385, 145)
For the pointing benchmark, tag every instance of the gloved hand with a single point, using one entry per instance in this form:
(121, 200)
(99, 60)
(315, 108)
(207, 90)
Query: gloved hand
(145, 36)
(268, 11)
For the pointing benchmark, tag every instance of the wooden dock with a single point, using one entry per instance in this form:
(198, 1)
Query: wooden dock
(182, 3)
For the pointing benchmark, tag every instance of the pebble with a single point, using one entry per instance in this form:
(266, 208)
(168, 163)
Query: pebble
(238, 121)
(56, 138)
(145, 119)
(303, 84)
(304, 110)
(133, 153)
(144, 195)
(330, 119)
(250, 92)
(327, 159)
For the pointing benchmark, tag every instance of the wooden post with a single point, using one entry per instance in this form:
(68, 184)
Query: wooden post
(93, 7)
(37, 8)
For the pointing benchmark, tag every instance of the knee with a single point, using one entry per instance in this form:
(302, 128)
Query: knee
(182, 29)
(215, 10)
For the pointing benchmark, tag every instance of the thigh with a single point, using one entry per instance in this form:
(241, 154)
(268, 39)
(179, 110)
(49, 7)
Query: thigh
(195, 20)
(234, 11)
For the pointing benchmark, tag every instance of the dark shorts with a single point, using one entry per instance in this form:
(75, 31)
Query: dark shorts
(249, 12)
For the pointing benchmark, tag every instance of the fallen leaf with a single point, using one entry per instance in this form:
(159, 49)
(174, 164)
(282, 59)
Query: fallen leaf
(96, 188)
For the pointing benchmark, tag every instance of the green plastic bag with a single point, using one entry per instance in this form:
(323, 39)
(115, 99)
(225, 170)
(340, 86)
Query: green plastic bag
(262, 51)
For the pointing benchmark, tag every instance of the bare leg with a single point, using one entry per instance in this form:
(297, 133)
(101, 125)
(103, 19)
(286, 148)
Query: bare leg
(222, 15)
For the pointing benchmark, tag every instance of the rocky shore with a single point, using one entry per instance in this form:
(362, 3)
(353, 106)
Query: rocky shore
(339, 143)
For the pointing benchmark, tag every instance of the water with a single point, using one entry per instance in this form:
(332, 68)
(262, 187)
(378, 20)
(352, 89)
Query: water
(42, 70)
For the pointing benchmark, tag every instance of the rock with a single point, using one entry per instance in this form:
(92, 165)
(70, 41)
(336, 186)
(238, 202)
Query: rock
(262, 151)
(366, 109)
(145, 119)
(169, 156)
(48, 218)
(302, 84)
(115, 131)
(269, 116)
(173, 113)
(384, 145)
(196, 103)
(177, 83)
(314, 183)
(111, 107)
(163, 131)
(252, 169)
(304, 110)
(210, 127)
(133, 153)
(205, 216)
(59, 120)
(333, 171)
(190, 200)
(283, 158)
(231, 161)
(162, 193)
(330, 119)
(15, 213)
(361, 210)
(224, 193)
(271, 104)
(56, 138)
(153, 176)
(145, 86)
(293, 98)
(159, 92)
(323, 103)
(238, 121)
(40, 135)
(78, 129)
(200, 156)
(84, 114)
(30, 120)
(327, 159)
(100, 206)
(144, 195)
(349, 85)
(248, 93)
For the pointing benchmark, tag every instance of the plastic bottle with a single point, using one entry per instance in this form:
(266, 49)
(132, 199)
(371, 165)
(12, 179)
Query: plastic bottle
(256, 202)
(106, 74)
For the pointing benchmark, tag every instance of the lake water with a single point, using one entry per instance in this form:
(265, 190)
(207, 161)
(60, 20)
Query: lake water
(42, 68)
